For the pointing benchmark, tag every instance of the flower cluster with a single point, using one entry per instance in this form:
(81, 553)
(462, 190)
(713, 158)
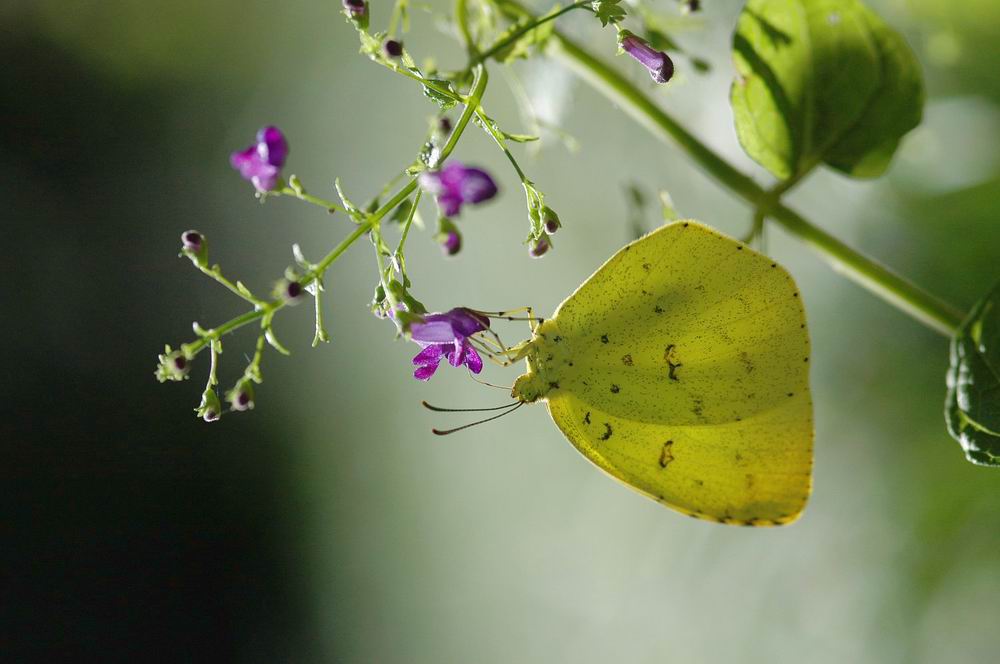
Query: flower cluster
(261, 162)
(447, 335)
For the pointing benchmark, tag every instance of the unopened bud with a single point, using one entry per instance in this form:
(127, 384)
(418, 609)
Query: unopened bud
(357, 12)
(210, 408)
(195, 247)
(539, 247)
(551, 220)
(452, 242)
(241, 397)
(392, 48)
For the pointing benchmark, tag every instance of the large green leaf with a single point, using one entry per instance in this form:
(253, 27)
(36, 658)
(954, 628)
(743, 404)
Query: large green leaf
(822, 81)
(972, 408)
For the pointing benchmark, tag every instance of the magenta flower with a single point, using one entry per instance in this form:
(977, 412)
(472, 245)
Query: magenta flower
(455, 185)
(261, 162)
(447, 335)
(658, 63)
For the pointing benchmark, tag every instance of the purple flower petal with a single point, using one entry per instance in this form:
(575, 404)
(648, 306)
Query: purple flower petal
(472, 360)
(272, 146)
(432, 331)
(450, 203)
(658, 63)
(457, 355)
(477, 186)
(430, 355)
(425, 372)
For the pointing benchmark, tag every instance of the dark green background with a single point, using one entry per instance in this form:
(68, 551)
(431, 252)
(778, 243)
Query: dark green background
(328, 525)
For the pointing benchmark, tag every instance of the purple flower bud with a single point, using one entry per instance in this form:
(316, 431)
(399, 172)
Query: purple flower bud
(355, 8)
(392, 48)
(192, 241)
(292, 291)
(658, 63)
(455, 185)
(551, 220)
(261, 162)
(452, 242)
(539, 247)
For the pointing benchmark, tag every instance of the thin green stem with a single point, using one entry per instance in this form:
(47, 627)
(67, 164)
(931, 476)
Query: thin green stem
(329, 206)
(879, 280)
(215, 272)
(507, 40)
(462, 19)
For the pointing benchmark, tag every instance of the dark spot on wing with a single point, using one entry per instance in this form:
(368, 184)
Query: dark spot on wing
(647, 267)
(791, 394)
(553, 385)
(557, 338)
(604, 338)
(774, 265)
(667, 453)
(627, 360)
(658, 309)
(615, 389)
(673, 370)
(739, 247)
(700, 482)
(607, 431)
(698, 408)
(586, 418)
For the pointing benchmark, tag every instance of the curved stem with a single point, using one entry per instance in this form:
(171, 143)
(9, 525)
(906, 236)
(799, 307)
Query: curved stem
(506, 41)
(877, 279)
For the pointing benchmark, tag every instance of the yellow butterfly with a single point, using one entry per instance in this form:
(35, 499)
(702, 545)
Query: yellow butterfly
(681, 368)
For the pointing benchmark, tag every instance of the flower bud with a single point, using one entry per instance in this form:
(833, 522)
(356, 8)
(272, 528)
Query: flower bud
(210, 408)
(241, 397)
(392, 48)
(551, 220)
(195, 247)
(357, 12)
(452, 242)
(657, 63)
(539, 247)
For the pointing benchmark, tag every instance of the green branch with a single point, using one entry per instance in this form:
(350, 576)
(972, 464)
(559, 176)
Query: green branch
(877, 279)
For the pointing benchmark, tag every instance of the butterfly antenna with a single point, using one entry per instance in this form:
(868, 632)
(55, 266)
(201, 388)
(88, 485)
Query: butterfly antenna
(439, 409)
(511, 409)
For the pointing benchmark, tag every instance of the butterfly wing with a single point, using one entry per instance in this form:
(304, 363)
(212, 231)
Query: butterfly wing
(681, 368)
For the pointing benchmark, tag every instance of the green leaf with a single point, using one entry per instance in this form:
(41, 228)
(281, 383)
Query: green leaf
(608, 11)
(822, 81)
(972, 407)
(443, 101)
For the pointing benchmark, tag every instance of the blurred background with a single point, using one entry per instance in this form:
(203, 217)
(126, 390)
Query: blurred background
(328, 525)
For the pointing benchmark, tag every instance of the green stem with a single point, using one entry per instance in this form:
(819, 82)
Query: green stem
(517, 34)
(879, 280)
(309, 198)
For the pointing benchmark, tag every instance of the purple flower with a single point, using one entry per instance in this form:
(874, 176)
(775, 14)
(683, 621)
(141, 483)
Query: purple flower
(455, 185)
(261, 162)
(658, 63)
(447, 335)
(355, 8)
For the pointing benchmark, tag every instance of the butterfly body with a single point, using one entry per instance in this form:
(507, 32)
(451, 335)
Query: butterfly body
(681, 369)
